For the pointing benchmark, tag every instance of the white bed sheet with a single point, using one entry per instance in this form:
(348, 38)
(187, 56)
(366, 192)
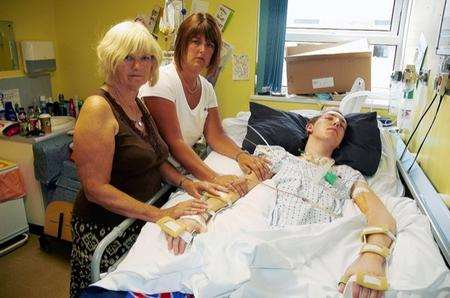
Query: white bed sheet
(240, 256)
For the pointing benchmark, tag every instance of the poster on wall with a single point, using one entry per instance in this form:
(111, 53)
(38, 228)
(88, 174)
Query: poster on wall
(443, 46)
(240, 67)
(199, 6)
(223, 16)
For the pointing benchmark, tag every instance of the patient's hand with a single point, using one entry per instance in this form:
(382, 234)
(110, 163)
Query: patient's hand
(177, 245)
(370, 263)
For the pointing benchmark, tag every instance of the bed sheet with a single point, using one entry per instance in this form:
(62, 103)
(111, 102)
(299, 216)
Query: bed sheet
(241, 256)
(385, 182)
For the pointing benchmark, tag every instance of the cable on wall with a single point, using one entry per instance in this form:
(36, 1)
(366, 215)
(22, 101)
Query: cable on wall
(417, 126)
(428, 131)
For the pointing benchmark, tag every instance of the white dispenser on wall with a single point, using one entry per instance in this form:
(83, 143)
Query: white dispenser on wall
(38, 56)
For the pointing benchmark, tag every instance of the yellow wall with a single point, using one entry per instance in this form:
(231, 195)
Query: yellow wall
(79, 26)
(32, 20)
(434, 157)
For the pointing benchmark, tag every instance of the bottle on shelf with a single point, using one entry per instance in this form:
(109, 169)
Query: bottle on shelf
(71, 108)
(62, 105)
(22, 116)
(49, 106)
(10, 113)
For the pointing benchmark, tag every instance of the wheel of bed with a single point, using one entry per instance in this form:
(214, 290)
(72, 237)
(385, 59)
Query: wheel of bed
(299, 261)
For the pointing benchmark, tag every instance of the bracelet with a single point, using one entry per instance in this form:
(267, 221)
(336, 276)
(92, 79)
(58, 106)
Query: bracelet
(239, 154)
(182, 180)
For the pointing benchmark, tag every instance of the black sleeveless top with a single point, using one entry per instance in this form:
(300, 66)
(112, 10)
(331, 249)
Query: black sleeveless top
(136, 160)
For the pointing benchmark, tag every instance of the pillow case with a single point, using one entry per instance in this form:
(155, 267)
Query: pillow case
(360, 148)
(285, 129)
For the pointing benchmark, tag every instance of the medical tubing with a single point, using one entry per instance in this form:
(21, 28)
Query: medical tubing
(314, 205)
(332, 215)
(428, 131)
(262, 138)
(417, 126)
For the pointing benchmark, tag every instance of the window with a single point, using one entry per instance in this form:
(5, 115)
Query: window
(382, 22)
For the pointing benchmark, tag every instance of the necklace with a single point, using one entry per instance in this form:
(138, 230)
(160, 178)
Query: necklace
(139, 122)
(317, 160)
(132, 108)
(190, 90)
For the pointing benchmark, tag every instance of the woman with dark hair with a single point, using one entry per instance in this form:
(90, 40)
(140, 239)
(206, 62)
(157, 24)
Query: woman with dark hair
(184, 105)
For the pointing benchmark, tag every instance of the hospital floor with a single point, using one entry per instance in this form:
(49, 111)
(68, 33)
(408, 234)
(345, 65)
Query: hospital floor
(30, 272)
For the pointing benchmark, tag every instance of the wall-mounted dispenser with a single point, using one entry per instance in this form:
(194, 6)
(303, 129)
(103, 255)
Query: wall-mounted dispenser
(38, 56)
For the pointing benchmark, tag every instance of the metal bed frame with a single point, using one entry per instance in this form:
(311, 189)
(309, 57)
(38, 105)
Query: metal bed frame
(118, 230)
(426, 197)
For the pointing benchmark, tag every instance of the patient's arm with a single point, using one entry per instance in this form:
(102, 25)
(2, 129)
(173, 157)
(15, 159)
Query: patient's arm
(376, 215)
(197, 223)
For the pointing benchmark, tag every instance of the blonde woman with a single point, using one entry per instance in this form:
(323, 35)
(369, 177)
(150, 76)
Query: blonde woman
(120, 157)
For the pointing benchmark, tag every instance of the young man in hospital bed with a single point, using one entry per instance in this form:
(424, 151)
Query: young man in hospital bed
(293, 235)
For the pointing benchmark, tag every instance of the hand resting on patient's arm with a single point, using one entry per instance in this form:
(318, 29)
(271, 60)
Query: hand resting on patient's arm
(197, 223)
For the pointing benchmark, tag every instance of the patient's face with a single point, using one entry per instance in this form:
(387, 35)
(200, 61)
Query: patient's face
(330, 127)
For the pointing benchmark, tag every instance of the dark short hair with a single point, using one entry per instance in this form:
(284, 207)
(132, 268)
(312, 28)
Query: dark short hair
(198, 24)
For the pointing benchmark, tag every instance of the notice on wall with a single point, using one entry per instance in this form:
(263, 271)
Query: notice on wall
(199, 6)
(10, 95)
(240, 67)
(223, 16)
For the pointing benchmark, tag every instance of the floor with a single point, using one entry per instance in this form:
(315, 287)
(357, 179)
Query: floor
(30, 272)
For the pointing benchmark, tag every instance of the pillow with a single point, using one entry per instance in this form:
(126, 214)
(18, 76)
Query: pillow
(285, 129)
(360, 148)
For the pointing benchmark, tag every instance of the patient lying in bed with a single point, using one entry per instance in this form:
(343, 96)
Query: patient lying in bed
(290, 230)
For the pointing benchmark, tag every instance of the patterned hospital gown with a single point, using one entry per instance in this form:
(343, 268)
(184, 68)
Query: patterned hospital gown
(294, 180)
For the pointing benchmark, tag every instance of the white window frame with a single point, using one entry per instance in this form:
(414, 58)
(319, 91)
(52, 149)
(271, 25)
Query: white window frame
(394, 37)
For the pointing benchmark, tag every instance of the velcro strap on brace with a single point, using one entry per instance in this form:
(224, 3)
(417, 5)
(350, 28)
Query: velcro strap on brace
(378, 283)
(377, 230)
(374, 248)
(172, 228)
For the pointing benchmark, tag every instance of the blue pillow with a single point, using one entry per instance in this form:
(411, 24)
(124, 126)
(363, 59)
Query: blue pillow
(285, 129)
(360, 148)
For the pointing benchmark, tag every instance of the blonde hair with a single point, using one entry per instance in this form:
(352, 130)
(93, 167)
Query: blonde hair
(123, 39)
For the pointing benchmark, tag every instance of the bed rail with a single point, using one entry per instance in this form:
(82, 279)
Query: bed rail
(96, 258)
(426, 197)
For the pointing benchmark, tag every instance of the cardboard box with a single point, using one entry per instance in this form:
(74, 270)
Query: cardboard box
(327, 67)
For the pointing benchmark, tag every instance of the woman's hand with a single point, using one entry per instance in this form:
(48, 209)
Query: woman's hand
(371, 264)
(177, 245)
(233, 183)
(258, 165)
(195, 188)
(190, 207)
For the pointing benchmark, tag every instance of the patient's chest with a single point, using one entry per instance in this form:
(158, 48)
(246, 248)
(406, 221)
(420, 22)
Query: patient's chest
(300, 200)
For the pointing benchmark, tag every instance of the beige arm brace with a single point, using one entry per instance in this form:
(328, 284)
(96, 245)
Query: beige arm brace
(215, 204)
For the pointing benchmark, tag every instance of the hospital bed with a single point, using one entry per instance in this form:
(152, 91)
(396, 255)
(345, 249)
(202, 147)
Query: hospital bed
(430, 275)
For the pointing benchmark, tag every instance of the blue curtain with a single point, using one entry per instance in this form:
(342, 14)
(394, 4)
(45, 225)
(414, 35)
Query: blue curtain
(272, 33)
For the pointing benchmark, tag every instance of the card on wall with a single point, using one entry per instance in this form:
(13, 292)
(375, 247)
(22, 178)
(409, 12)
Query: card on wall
(199, 6)
(240, 67)
(223, 16)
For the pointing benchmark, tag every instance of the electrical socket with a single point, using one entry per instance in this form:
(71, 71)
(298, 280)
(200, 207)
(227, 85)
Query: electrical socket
(442, 83)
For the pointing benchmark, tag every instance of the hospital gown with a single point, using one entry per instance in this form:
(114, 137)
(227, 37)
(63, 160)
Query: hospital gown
(299, 200)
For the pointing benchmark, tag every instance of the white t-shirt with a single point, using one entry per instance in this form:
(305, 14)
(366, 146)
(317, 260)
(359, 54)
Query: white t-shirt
(169, 86)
